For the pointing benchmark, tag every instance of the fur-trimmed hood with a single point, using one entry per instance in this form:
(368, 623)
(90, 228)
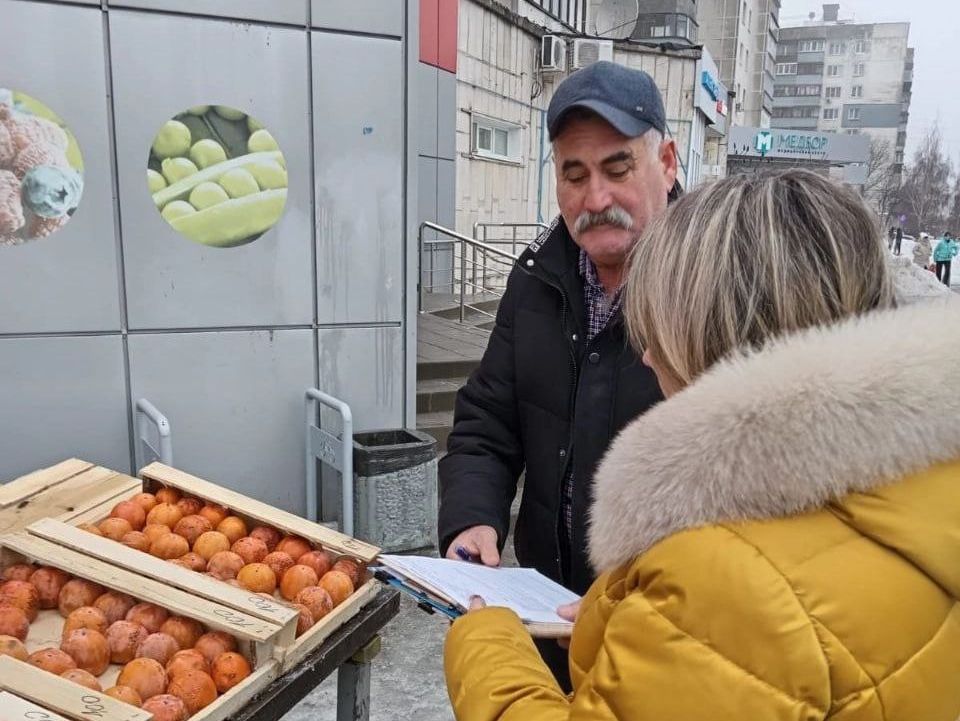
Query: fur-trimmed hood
(787, 429)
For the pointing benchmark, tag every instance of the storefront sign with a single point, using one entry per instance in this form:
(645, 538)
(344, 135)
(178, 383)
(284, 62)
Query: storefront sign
(798, 144)
(710, 85)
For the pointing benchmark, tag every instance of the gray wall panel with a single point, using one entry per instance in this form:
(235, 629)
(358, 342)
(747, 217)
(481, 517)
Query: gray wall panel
(69, 280)
(364, 367)
(446, 115)
(427, 107)
(383, 17)
(174, 282)
(69, 400)
(282, 11)
(447, 193)
(235, 403)
(359, 178)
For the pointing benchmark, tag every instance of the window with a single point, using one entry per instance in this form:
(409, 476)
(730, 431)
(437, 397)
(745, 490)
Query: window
(786, 69)
(750, 18)
(811, 46)
(856, 91)
(572, 13)
(831, 113)
(861, 46)
(743, 13)
(834, 71)
(792, 91)
(496, 139)
(803, 111)
(858, 70)
(853, 113)
(837, 48)
(833, 92)
(810, 69)
(666, 25)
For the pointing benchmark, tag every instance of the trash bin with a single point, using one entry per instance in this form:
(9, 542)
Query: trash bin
(395, 489)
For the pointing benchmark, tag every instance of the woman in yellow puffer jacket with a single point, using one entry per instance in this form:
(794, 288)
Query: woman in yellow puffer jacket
(780, 539)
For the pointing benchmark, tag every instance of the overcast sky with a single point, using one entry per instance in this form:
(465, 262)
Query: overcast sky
(933, 32)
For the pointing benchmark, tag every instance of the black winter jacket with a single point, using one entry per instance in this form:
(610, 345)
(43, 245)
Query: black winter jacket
(542, 398)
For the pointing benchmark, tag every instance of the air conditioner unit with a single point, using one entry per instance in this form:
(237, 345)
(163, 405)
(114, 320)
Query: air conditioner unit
(553, 54)
(587, 51)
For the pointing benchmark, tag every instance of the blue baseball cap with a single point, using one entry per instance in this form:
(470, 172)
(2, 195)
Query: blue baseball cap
(628, 99)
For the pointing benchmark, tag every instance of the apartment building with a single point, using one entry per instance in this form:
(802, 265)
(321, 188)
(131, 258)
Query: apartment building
(741, 35)
(839, 76)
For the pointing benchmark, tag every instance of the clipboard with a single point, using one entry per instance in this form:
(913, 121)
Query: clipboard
(425, 601)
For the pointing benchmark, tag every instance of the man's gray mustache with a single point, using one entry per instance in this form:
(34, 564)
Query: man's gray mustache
(614, 215)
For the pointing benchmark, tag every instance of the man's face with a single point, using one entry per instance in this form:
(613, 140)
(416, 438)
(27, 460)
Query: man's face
(598, 170)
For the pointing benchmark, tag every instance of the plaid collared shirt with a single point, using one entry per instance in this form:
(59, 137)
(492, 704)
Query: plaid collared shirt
(600, 309)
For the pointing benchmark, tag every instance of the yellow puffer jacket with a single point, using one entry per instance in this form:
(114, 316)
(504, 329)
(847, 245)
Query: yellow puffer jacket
(780, 541)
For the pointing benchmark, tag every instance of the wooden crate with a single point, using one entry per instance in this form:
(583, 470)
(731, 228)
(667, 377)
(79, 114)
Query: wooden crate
(288, 650)
(19, 709)
(256, 638)
(64, 490)
(27, 689)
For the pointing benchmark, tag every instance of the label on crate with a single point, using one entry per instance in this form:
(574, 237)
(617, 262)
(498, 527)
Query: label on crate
(15, 708)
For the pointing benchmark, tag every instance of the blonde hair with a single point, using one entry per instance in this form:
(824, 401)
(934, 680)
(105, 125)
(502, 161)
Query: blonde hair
(749, 258)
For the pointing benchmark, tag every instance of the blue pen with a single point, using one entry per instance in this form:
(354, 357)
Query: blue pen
(464, 555)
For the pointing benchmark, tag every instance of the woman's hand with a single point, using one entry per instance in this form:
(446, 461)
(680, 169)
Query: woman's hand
(476, 603)
(568, 612)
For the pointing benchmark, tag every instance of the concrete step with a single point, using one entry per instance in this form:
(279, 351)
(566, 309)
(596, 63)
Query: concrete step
(437, 394)
(437, 424)
(439, 370)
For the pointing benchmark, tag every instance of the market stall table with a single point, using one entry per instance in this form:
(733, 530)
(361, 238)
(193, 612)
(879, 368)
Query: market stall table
(349, 650)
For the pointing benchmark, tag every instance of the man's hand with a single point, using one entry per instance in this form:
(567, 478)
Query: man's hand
(568, 612)
(480, 542)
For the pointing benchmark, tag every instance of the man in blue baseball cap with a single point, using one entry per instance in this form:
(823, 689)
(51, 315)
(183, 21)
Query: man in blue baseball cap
(558, 379)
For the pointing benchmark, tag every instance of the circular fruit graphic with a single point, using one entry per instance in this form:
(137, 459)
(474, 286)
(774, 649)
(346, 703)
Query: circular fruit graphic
(41, 170)
(217, 176)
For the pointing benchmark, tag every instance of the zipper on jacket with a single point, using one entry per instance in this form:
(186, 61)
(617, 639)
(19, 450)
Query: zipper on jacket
(572, 403)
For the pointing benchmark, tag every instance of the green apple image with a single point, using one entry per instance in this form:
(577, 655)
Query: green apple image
(238, 183)
(177, 209)
(207, 152)
(228, 113)
(253, 125)
(268, 174)
(175, 169)
(199, 110)
(206, 195)
(155, 181)
(172, 140)
(262, 142)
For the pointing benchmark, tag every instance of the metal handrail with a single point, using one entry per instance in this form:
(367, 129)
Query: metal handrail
(464, 240)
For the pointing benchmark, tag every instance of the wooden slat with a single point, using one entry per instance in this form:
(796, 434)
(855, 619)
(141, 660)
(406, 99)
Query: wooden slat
(259, 634)
(62, 696)
(303, 646)
(160, 474)
(196, 584)
(18, 489)
(82, 491)
(14, 708)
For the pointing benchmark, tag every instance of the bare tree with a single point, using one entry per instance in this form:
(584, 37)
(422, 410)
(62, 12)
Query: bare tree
(925, 194)
(882, 183)
(953, 220)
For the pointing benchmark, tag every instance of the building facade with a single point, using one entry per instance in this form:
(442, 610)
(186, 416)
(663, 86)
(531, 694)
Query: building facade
(742, 37)
(223, 337)
(504, 167)
(838, 76)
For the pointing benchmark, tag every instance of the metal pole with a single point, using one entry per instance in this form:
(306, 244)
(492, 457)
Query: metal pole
(463, 275)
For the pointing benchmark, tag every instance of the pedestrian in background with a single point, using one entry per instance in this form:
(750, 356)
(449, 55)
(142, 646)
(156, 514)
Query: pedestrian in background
(922, 251)
(943, 256)
(890, 236)
(898, 241)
